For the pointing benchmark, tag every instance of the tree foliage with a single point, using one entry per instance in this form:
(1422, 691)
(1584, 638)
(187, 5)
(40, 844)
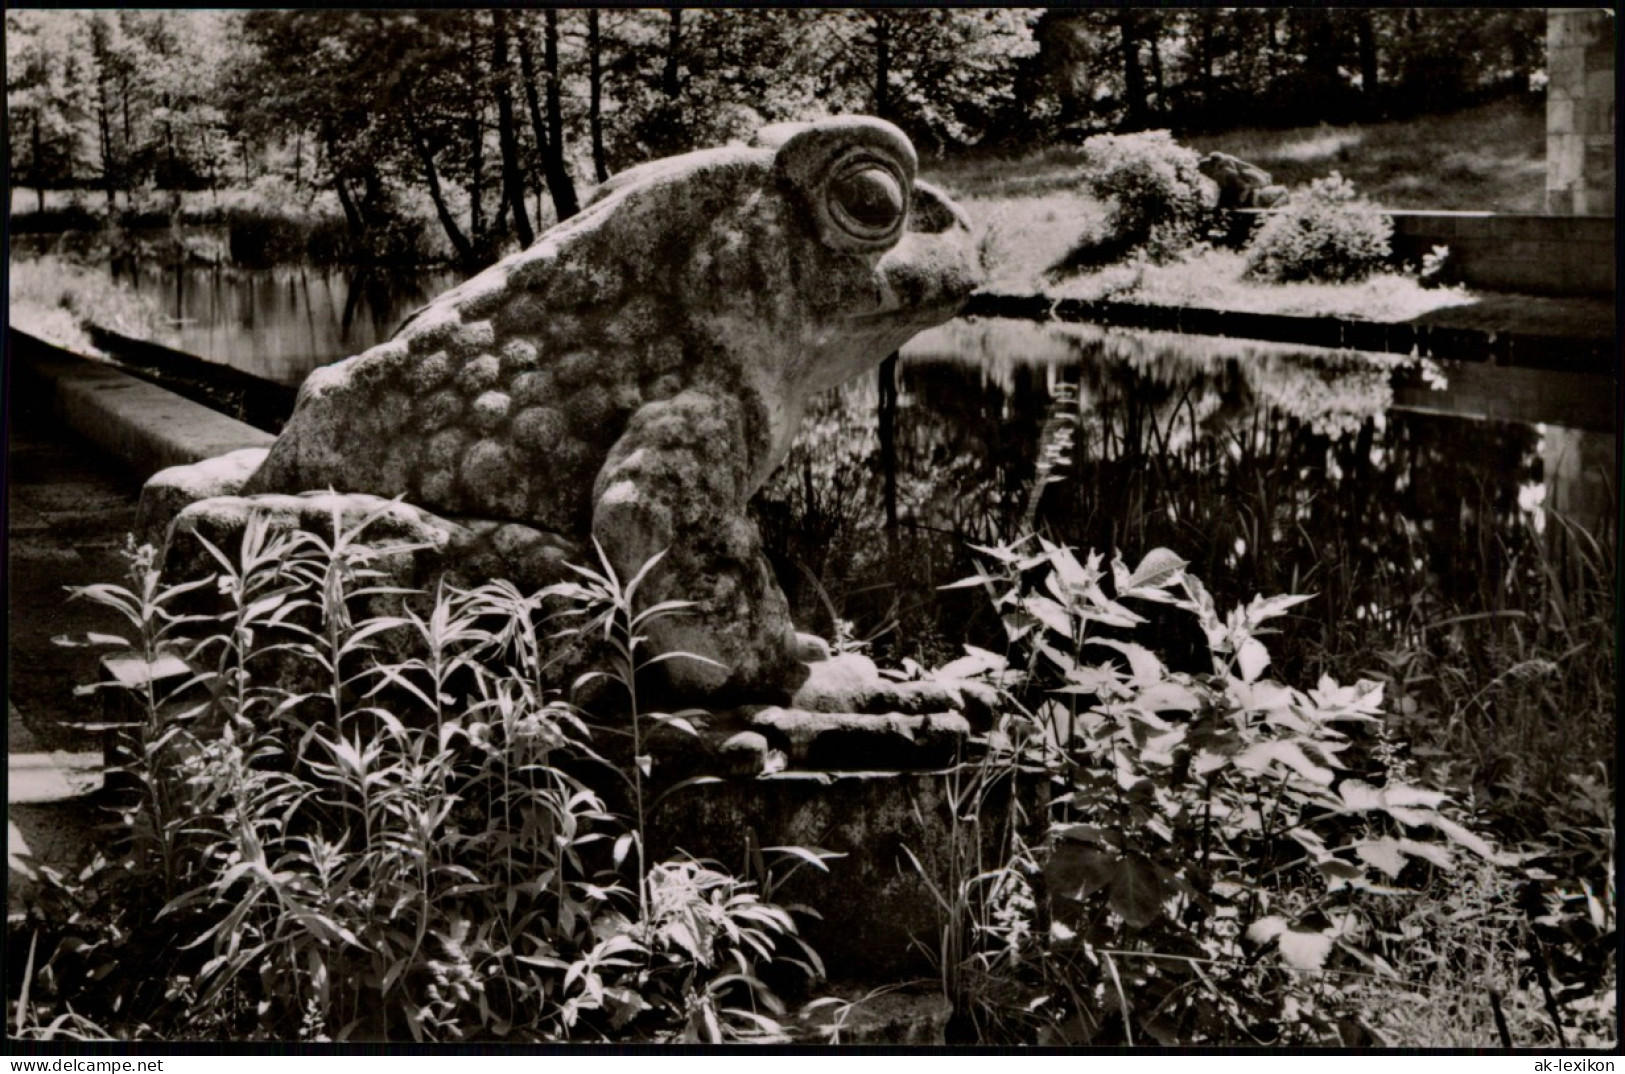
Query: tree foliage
(491, 124)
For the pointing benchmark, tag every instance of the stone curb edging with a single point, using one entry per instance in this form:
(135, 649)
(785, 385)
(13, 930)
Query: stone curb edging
(1559, 353)
(143, 427)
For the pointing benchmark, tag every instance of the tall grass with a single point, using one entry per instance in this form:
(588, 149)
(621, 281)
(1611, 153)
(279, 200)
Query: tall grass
(53, 298)
(331, 841)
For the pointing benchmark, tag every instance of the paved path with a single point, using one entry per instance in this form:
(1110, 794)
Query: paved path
(67, 517)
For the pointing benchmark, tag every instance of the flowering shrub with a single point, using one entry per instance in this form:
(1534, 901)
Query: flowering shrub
(1154, 187)
(1326, 233)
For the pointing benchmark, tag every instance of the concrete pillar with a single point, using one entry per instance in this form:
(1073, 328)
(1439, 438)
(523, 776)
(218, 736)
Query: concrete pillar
(1580, 112)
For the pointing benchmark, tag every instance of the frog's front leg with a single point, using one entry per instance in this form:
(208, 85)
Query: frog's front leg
(677, 482)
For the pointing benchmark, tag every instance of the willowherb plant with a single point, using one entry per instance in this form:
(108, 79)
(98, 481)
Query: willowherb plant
(1219, 848)
(352, 843)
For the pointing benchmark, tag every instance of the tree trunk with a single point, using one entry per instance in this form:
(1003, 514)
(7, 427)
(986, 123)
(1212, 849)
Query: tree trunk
(882, 64)
(558, 174)
(888, 448)
(1271, 44)
(39, 172)
(533, 100)
(124, 103)
(559, 184)
(595, 94)
(352, 215)
(104, 124)
(1205, 39)
(1156, 67)
(1133, 73)
(669, 83)
(476, 144)
(1367, 35)
(513, 178)
(459, 241)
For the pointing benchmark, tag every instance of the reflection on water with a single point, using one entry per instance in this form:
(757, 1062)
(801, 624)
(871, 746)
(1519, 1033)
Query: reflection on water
(281, 323)
(1383, 485)
(1271, 468)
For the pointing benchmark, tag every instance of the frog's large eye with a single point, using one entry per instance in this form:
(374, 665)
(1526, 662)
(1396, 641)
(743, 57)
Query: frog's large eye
(866, 199)
(855, 177)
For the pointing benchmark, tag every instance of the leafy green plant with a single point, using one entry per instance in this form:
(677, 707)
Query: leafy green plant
(332, 840)
(1326, 233)
(1155, 189)
(1221, 846)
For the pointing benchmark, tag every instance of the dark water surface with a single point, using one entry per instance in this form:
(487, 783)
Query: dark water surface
(281, 323)
(1379, 483)
(1390, 488)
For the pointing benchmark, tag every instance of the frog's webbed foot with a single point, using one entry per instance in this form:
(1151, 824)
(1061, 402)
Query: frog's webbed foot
(851, 683)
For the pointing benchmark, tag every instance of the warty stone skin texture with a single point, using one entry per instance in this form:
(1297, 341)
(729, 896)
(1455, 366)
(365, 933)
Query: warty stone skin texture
(637, 374)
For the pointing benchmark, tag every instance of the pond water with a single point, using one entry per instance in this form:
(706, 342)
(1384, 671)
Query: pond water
(1388, 487)
(281, 323)
(1395, 490)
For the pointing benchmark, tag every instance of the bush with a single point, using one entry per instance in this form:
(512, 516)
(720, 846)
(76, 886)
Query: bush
(1221, 847)
(1155, 189)
(410, 849)
(1326, 234)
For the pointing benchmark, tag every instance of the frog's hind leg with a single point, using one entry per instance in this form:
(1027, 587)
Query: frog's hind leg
(675, 485)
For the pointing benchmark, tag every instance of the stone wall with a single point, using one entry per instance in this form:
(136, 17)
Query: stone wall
(1522, 252)
(1551, 255)
(1580, 112)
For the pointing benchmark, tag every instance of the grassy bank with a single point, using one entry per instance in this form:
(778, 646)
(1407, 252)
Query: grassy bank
(1490, 158)
(1036, 216)
(53, 299)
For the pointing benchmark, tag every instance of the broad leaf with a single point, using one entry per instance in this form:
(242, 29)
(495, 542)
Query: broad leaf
(1075, 871)
(1251, 659)
(1143, 664)
(1169, 697)
(1362, 701)
(1285, 752)
(1137, 891)
(1385, 853)
(1304, 949)
(974, 662)
(1158, 569)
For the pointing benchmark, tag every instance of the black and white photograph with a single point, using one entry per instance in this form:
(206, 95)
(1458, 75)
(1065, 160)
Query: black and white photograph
(1077, 529)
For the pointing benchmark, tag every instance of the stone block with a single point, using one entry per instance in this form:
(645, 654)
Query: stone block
(1577, 28)
(1599, 203)
(1565, 69)
(1559, 115)
(846, 741)
(1599, 64)
(1594, 115)
(1565, 155)
(850, 683)
(1598, 167)
(910, 1018)
(170, 491)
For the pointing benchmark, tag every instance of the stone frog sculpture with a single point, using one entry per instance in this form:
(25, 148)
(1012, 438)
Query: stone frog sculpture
(638, 373)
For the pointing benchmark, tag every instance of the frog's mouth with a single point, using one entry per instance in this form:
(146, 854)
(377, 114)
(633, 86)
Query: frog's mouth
(916, 317)
(923, 291)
